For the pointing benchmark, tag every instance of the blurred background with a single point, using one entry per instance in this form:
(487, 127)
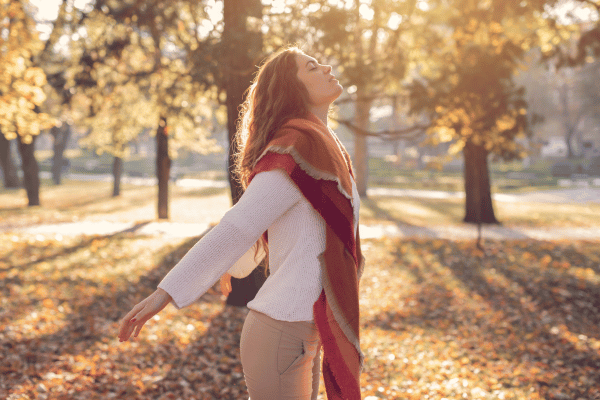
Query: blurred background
(116, 127)
(472, 96)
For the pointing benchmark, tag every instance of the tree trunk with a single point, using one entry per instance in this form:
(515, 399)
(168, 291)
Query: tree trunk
(570, 121)
(163, 168)
(61, 138)
(478, 205)
(117, 174)
(241, 48)
(361, 150)
(9, 170)
(569, 142)
(31, 178)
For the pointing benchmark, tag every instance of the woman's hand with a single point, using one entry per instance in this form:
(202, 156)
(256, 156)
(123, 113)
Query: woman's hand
(142, 312)
(226, 284)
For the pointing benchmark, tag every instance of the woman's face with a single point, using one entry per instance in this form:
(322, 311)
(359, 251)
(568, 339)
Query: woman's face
(322, 86)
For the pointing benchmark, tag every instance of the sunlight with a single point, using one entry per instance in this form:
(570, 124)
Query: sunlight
(423, 5)
(47, 10)
(277, 6)
(366, 12)
(395, 21)
(571, 12)
(567, 11)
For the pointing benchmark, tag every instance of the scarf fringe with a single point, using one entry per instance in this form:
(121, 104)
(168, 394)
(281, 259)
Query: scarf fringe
(307, 167)
(336, 386)
(338, 315)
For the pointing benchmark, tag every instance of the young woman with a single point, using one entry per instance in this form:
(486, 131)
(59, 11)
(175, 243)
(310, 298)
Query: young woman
(300, 196)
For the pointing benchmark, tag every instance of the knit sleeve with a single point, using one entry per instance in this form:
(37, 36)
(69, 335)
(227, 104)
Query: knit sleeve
(246, 264)
(269, 196)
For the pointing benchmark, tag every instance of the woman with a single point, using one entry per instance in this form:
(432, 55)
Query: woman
(299, 190)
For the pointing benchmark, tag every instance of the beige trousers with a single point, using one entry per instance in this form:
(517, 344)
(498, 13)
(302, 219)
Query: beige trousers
(281, 360)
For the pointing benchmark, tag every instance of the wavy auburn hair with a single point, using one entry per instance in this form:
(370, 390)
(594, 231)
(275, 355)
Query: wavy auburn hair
(275, 96)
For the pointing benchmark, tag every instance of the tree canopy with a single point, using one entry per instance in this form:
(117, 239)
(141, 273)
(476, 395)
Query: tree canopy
(21, 79)
(135, 65)
(124, 66)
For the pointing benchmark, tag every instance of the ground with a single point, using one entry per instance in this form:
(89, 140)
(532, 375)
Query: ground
(440, 319)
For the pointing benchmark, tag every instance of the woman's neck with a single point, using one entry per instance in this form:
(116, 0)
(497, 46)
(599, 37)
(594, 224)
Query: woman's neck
(321, 113)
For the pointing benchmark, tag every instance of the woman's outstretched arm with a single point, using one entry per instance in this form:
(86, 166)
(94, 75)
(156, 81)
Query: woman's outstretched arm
(268, 197)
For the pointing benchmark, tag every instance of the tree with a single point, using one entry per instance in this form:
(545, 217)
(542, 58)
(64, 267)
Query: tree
(174, 52)
(61, 135)
(9, 170)
(58, 99)
(583, 21)
(466, 83)
(570, 107)
(21, 89)
(116, 119)
(577, 93)
(442, 53)
(147, 62)
(241, 49)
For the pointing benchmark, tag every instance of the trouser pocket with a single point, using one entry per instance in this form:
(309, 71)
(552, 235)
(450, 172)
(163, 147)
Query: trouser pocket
(294, 354)
(290, 353)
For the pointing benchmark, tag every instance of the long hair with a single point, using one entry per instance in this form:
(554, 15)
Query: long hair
(275, 96)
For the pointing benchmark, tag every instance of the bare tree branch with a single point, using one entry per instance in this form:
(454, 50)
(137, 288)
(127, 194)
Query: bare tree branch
(352, 98)
(406, 133)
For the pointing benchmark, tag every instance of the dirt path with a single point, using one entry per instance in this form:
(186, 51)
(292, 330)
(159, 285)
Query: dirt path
(560, 195)
(189, 218)
(177, 229)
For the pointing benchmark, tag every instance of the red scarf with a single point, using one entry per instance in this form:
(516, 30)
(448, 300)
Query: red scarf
(320, 166)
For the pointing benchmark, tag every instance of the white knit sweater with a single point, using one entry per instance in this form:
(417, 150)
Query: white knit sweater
(296, 239)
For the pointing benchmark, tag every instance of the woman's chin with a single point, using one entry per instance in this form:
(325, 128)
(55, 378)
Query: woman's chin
(339, 90)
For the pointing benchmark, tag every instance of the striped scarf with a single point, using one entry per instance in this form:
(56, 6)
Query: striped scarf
(320, 166)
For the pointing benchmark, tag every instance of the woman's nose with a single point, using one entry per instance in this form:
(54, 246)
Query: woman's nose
(327, 68)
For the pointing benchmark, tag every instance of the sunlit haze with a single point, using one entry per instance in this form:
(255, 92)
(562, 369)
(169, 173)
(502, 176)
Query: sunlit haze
(567, 12)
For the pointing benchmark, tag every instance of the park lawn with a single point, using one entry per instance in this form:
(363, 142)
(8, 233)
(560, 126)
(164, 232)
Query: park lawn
(93, 201)
(427, 212)
(439, 319)
(383, 173)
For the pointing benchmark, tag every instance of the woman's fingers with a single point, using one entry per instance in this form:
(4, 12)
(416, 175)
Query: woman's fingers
(131, 313)
(135, 324)
(142, 312)
(138, 329)
(126, 330)
(131, 319)
(126, 322)
(140, 319)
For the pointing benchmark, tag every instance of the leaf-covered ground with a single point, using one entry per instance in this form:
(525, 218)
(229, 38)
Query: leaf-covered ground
(440, 320)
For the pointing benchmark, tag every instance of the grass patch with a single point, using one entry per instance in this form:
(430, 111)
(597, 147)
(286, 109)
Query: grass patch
(93, 201)
(411, 211)
(427, 212)
(537, 177)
